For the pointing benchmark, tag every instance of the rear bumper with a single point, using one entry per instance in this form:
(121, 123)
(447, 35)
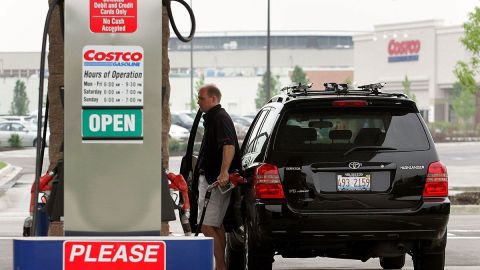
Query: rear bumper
(429, 221)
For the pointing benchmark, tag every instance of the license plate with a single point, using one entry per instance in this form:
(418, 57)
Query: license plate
(353, 181)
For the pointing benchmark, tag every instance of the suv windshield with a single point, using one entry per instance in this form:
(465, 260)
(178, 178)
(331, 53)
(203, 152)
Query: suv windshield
(319, 131)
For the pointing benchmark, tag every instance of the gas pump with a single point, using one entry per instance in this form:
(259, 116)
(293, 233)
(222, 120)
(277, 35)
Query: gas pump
(112, 98)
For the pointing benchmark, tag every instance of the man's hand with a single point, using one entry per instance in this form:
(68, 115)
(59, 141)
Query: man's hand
(227, 156)
(223, 179)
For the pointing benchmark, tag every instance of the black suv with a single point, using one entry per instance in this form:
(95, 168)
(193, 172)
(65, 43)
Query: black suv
(339, 173)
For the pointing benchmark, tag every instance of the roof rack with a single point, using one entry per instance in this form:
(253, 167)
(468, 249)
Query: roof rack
(373, 88)
(339, 88)
(296, 88)
(299, 89)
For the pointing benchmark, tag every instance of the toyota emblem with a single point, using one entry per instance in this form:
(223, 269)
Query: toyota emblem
(354, 165)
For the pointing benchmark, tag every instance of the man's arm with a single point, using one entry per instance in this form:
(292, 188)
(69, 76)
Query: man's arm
(227, 157)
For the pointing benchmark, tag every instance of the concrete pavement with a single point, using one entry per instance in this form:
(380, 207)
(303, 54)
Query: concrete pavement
(8, 175)
(462, 177)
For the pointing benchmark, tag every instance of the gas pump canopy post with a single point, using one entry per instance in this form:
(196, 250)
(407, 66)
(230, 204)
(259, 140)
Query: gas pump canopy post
(113, 103)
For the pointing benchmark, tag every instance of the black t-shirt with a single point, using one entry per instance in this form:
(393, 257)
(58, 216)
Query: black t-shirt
(219, 131)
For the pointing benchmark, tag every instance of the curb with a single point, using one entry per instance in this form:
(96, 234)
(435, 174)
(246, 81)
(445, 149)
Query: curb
(465, 209)
(8, 176)
(465, 189)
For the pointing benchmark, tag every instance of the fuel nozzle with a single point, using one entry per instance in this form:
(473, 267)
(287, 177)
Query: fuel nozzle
(234, 180)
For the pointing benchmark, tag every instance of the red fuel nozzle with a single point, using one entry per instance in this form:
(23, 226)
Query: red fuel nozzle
(177, 182)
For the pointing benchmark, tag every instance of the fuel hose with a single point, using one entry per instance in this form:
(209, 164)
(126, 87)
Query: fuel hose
(41, 137)
(168, 5)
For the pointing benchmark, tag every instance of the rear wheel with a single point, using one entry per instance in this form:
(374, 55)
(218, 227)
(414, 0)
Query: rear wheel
(392, 262)
(258, 252)
(234, 252)
(430, 256)
(429, 261)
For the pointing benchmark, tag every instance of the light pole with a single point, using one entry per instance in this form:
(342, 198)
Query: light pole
(192, 101)
(267, 88)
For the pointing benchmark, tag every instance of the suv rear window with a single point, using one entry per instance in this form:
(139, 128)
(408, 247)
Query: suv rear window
(320, 131)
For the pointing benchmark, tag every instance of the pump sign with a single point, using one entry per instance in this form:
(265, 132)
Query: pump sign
(112, 93)
(120, 255)
(113, 16)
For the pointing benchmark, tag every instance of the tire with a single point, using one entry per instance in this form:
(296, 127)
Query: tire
(429, 261)
(258, 253)
(234, 254)
(430, 257)
(392, 262)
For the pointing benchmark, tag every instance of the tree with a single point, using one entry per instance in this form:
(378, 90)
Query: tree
(198, 83)
(407, 89)
(463, 102)
(466, 72)
(19, 105)
(298, 75)
(274, 86)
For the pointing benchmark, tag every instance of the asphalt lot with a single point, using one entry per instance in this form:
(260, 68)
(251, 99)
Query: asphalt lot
(464, 230)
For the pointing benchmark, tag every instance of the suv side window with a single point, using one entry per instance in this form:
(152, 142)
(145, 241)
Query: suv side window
(250, 141)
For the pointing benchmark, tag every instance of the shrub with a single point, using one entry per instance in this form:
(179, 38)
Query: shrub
(15, 141)
(177, 146)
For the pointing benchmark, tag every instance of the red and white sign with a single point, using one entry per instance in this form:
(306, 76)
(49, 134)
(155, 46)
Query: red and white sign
(113, 16)
(407, 47)
(120, 255)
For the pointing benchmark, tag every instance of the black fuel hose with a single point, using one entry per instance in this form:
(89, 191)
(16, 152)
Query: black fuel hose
(41, 140)
(167, 4)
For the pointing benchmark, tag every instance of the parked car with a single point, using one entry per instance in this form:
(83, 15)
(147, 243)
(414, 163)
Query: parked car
(182, 119)
(338, 173)
(26, 130)
(245, 121)
(20, 118)
(178, 133)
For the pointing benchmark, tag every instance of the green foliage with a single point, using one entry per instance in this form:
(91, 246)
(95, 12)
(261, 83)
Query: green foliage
(298, 76)
(466, 77)
(177, 146)
(15, 141)
(407, 90)
(261, 95)
(198, 83)
(466, 72)
(463, 102)
(19, 105)
(471, 40)
(2, 165)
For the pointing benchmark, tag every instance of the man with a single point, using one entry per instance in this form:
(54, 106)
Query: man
(219, 155)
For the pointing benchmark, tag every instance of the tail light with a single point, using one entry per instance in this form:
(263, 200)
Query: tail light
(437, 181)
(267, 183)
(349, 103)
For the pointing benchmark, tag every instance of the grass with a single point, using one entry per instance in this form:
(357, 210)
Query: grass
(466, 198)
(2, 164)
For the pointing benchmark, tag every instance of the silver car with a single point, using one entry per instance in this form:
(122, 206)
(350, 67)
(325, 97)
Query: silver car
(26, 130)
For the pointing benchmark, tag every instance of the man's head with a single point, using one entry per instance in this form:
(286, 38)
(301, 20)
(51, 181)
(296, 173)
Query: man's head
(209, 96)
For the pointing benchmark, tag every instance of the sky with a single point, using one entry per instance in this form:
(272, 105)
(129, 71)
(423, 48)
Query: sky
(22, 21)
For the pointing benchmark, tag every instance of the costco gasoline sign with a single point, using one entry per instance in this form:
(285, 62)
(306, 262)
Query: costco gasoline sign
(112, 93)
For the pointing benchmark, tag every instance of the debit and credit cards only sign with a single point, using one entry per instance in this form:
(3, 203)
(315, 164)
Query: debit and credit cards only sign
(112, 93)
(120, 255)
(113, 16)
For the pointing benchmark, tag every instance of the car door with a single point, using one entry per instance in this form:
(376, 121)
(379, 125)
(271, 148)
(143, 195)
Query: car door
(187, 169)
(22, 132)
(4, 133)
